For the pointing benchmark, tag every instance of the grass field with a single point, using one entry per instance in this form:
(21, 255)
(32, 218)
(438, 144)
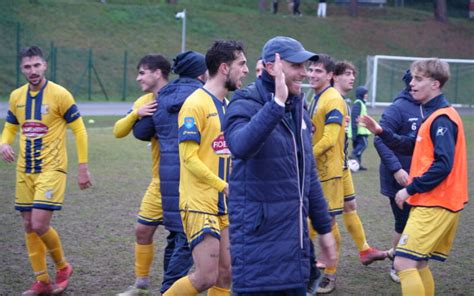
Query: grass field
(97, 225)
(138, 27)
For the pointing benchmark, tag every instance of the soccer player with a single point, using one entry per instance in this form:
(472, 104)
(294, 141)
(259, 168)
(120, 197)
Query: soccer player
(205, 164)
(330, 118)
(403, 117)
(274, 185)
(359, 134)
(163, 125)
(153, 71)
(43, 110)
(437, 189)
(259, 67)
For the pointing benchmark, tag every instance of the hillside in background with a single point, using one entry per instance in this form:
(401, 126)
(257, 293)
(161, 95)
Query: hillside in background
(113, 36)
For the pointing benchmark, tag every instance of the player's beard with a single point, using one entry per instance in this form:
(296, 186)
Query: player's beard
(38, 81)
(230, 85)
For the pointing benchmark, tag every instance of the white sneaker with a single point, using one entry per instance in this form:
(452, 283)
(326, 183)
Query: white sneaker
(394, 276)
(134, 291)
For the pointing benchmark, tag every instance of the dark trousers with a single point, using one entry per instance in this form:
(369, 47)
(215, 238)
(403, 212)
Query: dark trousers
(359, 144)
(291, 292)
(177, 259)
(401, 216)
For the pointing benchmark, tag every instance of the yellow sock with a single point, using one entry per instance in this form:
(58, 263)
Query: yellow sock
(37, 255)
(143, 259)
(411, 282)
(428, 281)
(53, 244)
(337, 237)
(218, 291)
(356, 230)
(181, 287)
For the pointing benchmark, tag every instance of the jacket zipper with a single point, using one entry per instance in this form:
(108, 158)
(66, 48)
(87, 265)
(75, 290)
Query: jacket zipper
(298, 179)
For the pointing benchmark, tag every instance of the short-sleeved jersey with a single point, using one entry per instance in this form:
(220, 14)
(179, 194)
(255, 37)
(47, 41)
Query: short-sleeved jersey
(155, 147)
(200, 120)
(42, 118)
(329, 108)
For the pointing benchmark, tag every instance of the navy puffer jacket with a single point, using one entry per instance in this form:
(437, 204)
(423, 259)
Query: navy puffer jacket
(273, 188)
(402, 117)
(164, 123)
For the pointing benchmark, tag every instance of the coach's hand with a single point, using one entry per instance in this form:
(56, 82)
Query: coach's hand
(147, 109)
(327, 244)
(400, 197)
(370, 124)
(402, 177)
(281, 89)
(84, 177)
(8, 155)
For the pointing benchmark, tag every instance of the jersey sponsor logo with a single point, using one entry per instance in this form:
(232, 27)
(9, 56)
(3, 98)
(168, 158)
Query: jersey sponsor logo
(441, 131)
(44, 109)
(219, 145)
(20, 106)
(33, 130)
(189, 122)
(211, 114)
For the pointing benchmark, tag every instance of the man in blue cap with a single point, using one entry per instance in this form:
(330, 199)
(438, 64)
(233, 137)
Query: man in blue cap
(274, 186)
(163, 125)
(360, 134)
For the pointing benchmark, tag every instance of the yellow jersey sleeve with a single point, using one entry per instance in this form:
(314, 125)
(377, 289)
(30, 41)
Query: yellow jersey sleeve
(188, 153)
(80, 133)
(124, 125)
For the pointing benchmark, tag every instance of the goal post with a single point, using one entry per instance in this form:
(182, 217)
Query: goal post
(384, 79)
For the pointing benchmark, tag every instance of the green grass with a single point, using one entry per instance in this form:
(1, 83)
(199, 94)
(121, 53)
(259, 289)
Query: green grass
(144, 26)
(97, 225)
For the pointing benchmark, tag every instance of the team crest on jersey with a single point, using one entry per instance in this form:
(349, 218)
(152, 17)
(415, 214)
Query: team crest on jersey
(44, 109)
(219, 146)
(403, 240)
(33, 130)
(189, 122)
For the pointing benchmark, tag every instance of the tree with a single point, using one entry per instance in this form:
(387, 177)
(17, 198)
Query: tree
(353, 8)
(440, 11)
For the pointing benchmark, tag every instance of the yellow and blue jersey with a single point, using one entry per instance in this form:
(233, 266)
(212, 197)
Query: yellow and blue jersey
(125, 125)
(42, 117)
(204, 155)
(328, 113)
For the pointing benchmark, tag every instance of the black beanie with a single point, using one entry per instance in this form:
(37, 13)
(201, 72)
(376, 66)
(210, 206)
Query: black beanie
(189, 64)
(407, 79)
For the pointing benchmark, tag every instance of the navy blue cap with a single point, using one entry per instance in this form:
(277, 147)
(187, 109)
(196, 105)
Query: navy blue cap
(361, 91)
(189, 64)
(290, 50)
(407, 79)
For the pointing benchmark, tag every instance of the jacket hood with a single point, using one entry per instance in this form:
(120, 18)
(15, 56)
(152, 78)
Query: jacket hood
(405, 95)
(173, 95)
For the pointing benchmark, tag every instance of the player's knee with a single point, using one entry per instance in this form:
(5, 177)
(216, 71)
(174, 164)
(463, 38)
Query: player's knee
(350, 206)
(39, 228)
(225, 274)
(205, 280)
(144, 234)
(27, 225)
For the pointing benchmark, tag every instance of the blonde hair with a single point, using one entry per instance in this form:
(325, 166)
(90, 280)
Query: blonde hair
(433, 68)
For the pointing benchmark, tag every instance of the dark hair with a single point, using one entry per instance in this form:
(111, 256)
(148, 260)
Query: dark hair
(342, 66)
(31, 51)
(327, 62)
(222, 51)
(154, 62)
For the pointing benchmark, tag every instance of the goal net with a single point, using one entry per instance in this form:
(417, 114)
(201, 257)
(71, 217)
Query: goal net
(384, 79)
